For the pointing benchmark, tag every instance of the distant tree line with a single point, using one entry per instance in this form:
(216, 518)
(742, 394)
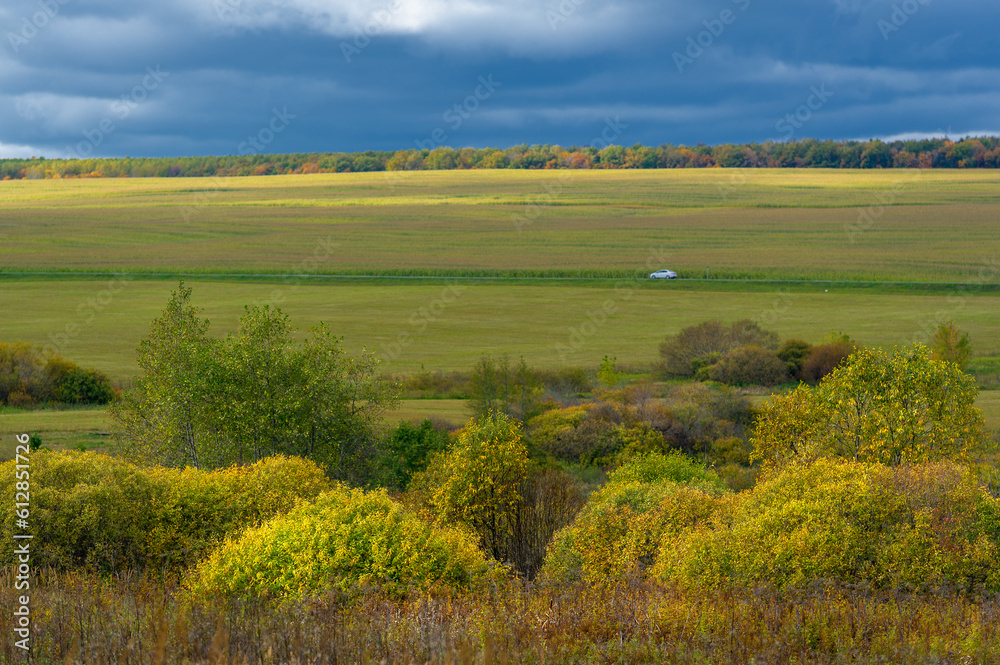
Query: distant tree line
(979, 152)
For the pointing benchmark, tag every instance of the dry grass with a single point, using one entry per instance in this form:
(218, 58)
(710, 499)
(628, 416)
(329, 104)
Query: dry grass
(128, 620)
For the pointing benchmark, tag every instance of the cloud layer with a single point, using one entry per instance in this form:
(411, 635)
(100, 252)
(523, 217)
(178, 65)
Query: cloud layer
(136, 77)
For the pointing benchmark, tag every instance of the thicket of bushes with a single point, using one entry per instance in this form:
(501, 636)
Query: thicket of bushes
(916, 528)
(709, 422)
(485, 482)
(616, 535)
(346, 538)
(97, 511)
(921, 528)
(744, 354)
(30, 376)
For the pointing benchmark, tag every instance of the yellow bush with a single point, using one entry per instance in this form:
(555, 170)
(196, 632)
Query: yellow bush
(94, 510)
(617, 533)
(346, 538)
(915, 528)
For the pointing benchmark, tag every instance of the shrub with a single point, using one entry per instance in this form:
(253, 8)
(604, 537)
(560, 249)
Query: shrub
(749, 365)
(915, 528)
(699, 414)
(344, 539)
(566, 381)
(824, 358)
(29, 375)
(952, 345)
(555, 432)
(793, 352)
(449, 385)
(409, 449)
(84, 386)
(617, 533)
(684, 353)
(98, 511)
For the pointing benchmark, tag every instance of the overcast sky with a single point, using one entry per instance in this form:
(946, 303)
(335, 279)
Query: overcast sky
(192, 77)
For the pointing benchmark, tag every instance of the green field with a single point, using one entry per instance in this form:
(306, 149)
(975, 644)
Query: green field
(937, 226)
(99, 322)
(433, 236)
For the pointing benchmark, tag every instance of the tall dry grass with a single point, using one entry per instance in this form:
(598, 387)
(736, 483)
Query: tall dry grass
(128, 619)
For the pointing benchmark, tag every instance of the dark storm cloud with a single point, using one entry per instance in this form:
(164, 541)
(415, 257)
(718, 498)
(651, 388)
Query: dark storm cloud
(117, 77)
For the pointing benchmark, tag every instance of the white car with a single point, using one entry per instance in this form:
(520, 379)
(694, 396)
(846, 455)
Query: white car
(663, 274)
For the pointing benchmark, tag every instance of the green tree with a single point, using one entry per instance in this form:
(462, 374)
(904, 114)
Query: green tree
(495, 386)
(952, 345)
(210, 403)
(161, 417)
(409, 449)
(345, 404)
(891, 408)
(608, 375)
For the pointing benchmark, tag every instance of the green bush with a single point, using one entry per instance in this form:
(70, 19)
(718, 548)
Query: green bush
(916, 528)
(344, 539)
(793, 352)
(30, 375)
(409, 449)
(617, 533)
(476, 482)
(84, 386)
(101, 512)
(749, 365)
(555, 432)
(672, 467)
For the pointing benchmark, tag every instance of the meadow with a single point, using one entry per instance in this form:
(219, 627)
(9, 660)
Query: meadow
(893, 225)
(99, 322)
